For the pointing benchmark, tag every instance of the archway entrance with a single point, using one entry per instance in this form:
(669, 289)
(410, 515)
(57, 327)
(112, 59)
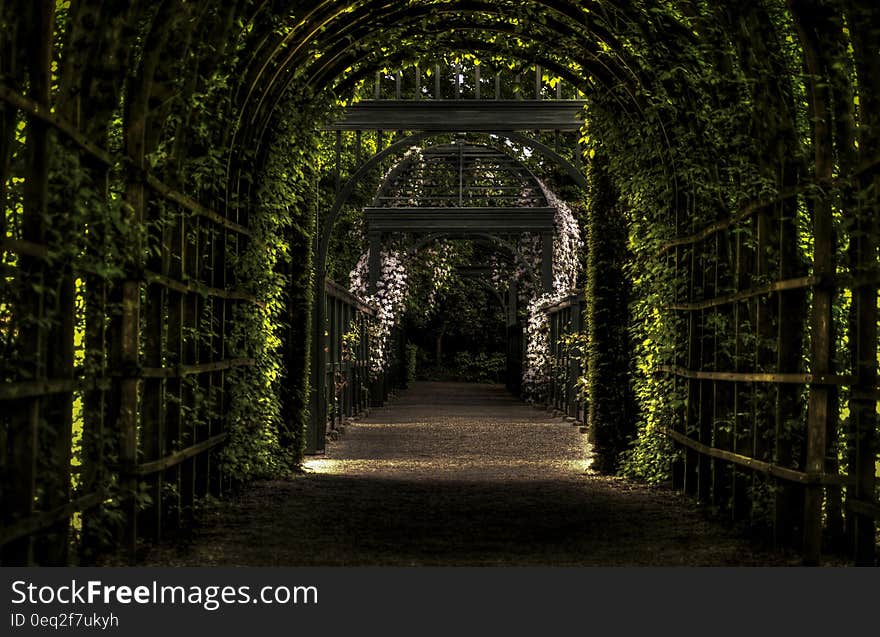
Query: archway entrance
(457, 176)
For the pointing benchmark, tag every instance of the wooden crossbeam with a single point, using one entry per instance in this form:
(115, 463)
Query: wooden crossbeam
(450, 116)
(493, 220)
(776, 471)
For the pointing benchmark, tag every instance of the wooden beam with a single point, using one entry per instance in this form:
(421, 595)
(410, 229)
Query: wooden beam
(44, 519)
(727, 299)
(195, 287)
(463, 115)
(335, 290)
(179, 371)
(826, 380)
(495, 220)
(776, 471)
(155, 466)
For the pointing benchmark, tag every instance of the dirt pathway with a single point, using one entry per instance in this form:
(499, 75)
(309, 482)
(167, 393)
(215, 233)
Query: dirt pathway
(455, 474)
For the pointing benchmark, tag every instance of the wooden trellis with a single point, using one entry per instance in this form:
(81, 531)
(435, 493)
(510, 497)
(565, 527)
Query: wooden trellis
(565, 318)
(759, 431)
(349, 381)
(444, 190)
(137, 347)
(150, 388)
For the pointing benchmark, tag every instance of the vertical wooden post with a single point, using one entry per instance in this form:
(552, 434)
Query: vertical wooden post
(204, 321)
(714, 435)
(766, 349)
(742, 430)
(864, 239)
(691, 458)
(153, 419)
(93, 471)
(174, 415)
(23, 437)
(574, 362)
(218, 280)
(129, 343)
(819, 415)
(318, 415)
(513, 371)
(863, 399)
(337, 167)
(189, 393)
(333, 371)
(707, 388)
(128, 394)
(789, 497)
(57, 416)
(676, 469)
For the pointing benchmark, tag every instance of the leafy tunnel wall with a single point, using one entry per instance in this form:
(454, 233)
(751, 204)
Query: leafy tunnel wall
(161, 181)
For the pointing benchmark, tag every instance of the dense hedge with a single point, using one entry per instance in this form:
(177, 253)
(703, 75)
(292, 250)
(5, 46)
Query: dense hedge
(609, 355)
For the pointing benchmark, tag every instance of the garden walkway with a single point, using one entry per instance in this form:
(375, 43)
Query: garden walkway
(457, 474)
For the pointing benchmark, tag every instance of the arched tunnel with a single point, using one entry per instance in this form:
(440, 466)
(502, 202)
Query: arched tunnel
(233, 230)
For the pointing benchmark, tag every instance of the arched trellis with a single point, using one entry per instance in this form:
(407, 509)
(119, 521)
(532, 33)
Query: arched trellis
(456, 219)
(606, 61)
(573, 19)
(356, 27)
(427, 166)
(164, 47)
(365, 17)
(611, 81)
(400, 146)
(344, 192)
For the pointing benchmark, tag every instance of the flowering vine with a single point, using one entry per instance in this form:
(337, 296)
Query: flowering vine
(393, 288)
(567, 244)
(389, 299)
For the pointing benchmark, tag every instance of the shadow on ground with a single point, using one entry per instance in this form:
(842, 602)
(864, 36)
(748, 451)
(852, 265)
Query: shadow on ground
(459, 475)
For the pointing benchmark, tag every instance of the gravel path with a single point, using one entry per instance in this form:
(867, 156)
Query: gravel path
(454, 474)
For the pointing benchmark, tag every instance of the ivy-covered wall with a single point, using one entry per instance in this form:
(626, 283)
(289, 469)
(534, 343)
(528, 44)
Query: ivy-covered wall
(609, 352)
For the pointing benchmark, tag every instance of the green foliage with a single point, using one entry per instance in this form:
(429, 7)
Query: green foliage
(480, 367)
(693, 110)
(270, 410)
(688, 160)
(454, 315)
(412, 360)
(608, 350)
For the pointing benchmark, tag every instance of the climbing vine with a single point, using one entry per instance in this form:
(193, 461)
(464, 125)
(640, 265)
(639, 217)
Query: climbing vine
(567, 246)
(164, 178)
(389, 299)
